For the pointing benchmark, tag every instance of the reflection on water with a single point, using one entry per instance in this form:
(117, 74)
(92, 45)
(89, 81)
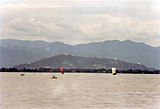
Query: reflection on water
(77, 91)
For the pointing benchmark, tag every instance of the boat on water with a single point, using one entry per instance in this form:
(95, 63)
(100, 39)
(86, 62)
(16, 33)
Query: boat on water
(114, 71)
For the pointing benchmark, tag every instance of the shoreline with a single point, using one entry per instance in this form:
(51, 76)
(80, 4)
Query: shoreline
(78, 73)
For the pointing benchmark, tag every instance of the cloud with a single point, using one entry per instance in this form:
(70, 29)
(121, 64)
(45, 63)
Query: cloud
(76, 22)
(37, 29)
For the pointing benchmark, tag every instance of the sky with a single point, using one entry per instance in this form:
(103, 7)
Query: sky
(81, 21)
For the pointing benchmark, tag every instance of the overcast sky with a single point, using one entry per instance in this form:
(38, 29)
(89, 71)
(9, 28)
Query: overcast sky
(81, 21)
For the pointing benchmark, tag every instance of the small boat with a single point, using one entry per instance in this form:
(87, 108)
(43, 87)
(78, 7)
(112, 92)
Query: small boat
(114, 71)
(22, 74)
(62, 70)
(53, 77)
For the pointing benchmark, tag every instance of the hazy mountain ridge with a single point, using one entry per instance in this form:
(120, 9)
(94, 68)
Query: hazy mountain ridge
(30, 51)
(73, 61)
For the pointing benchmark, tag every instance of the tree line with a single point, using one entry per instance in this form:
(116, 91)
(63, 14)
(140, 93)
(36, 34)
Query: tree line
(81, 70)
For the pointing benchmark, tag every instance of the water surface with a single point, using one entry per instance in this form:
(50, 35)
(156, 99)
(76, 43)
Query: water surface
(79, 91)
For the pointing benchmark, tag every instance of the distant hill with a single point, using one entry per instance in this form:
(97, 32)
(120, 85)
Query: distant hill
(13, 52)
(70, 61)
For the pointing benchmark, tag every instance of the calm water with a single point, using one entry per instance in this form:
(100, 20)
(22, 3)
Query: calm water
(79, 91)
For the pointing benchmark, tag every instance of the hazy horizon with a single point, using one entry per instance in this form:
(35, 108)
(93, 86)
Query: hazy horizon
(77, 22)
(79, 43)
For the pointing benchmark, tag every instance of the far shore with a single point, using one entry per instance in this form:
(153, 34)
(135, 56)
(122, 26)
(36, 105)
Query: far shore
(76, 73)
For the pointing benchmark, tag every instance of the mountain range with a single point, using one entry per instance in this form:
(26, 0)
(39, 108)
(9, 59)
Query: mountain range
(14, 52)
(72, 61)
